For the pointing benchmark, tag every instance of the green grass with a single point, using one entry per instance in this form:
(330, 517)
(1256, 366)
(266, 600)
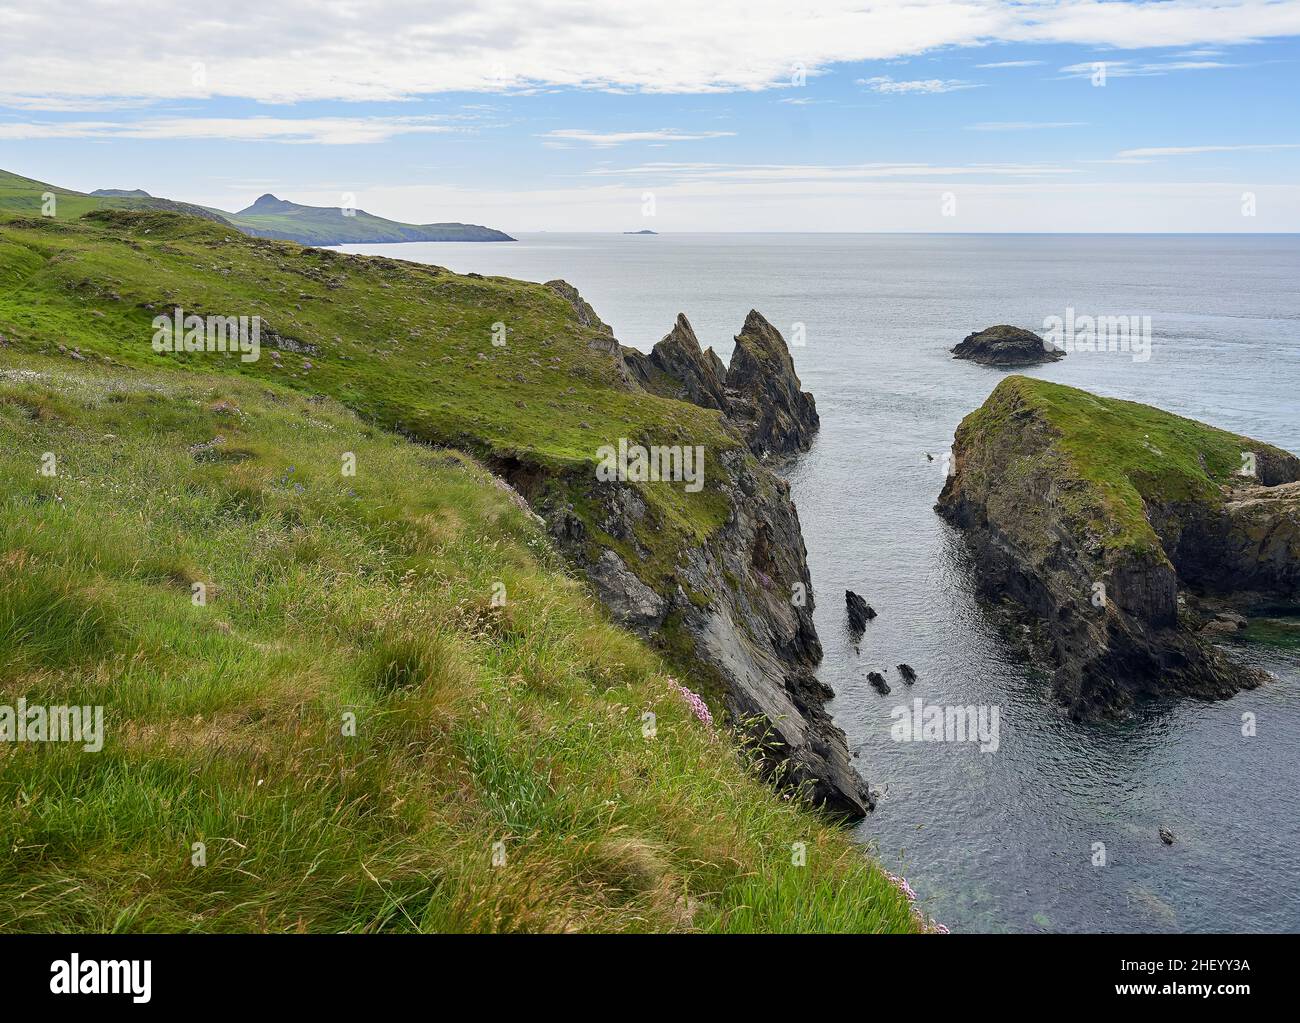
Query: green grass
(1113, 457)
(329, 594)
(408, 347)
(320, 225)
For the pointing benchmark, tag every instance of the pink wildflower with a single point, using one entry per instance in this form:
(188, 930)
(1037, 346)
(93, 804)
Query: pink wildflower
(694, 701)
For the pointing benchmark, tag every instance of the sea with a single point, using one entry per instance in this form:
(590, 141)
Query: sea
(1055, 830)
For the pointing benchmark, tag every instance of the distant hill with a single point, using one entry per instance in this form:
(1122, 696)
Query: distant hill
(272, 217)
(268, 217)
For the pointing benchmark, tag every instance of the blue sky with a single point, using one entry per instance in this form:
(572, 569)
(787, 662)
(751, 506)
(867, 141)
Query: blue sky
(934, 115)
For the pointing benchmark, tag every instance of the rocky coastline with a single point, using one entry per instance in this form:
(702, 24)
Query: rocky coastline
(1125, 540)
(739, 605)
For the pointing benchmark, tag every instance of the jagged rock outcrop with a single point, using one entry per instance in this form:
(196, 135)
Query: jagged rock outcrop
(739, 605)
(765, 394)
(678, 366)
(859, 613)
(759, 393)
(1006, 346)
(1107, 525)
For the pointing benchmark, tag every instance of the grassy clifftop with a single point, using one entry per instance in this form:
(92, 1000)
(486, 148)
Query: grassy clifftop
(327, 595)
(409, 347)
(1112, 457)
(366, 602)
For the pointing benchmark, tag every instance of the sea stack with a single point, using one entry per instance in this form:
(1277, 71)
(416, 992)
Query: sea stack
(1120, 533)
(1005, 346)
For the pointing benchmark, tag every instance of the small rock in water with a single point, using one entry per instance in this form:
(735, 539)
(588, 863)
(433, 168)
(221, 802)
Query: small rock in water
(878, 680)
(1166, 835)
(908, 673)
(860, 612)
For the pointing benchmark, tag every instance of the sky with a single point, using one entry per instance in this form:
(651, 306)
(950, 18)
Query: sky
(678, 115)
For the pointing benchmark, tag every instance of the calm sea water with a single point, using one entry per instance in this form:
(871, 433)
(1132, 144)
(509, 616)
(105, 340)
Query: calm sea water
(1001, 841)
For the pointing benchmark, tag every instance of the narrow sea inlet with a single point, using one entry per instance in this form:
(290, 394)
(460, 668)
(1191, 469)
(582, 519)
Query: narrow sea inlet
(1058, 828)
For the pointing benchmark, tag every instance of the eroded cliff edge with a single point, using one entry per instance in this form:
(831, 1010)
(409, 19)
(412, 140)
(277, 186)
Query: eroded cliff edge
(1119, 532)
(738, 599)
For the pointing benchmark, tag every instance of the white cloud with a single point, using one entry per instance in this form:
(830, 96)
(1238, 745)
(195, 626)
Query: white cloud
(924, 86)
(297, 50)
(1131, 69)
(1012, 63)
(320, 130)
(604, 140)
(791, 174)
(1131, 154)
(1022, 125)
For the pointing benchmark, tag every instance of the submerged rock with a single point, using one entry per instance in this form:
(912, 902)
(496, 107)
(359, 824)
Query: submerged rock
(1005, 345)
(859, 612)
(1166, 835)
(878, 680)
(907, 672)
(1102, 524)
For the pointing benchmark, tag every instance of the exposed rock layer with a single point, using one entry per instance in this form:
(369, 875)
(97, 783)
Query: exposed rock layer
(759, 394)
(1116, 609)
(741, 603)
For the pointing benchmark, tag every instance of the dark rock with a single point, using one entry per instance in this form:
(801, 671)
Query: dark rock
(1005, 345)
(759, 394)
(859, 612)
(764, 396)
(878, 680)
(908, 673)
(679, 365)
(1110, 612)
(1166, 835)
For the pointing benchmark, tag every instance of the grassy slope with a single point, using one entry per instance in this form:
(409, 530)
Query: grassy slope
(1124, 453)
(328, 593)
(406, 346)
(325, 226)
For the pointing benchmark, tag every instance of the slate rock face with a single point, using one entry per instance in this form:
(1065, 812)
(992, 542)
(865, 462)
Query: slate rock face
(1008, 346)
(740, 603)
(759, 394)
(776, 415)
(679, 364)
(1122, 603)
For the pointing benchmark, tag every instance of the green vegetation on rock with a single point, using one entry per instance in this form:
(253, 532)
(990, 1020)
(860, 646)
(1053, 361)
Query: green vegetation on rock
(1123, 453)
(327, 595)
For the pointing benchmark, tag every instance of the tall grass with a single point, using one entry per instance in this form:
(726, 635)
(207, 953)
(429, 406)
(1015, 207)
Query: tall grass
(347, 733)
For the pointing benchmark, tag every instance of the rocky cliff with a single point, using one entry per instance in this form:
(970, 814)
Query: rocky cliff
(738, 601)
(1116, 531)
(759, 394)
